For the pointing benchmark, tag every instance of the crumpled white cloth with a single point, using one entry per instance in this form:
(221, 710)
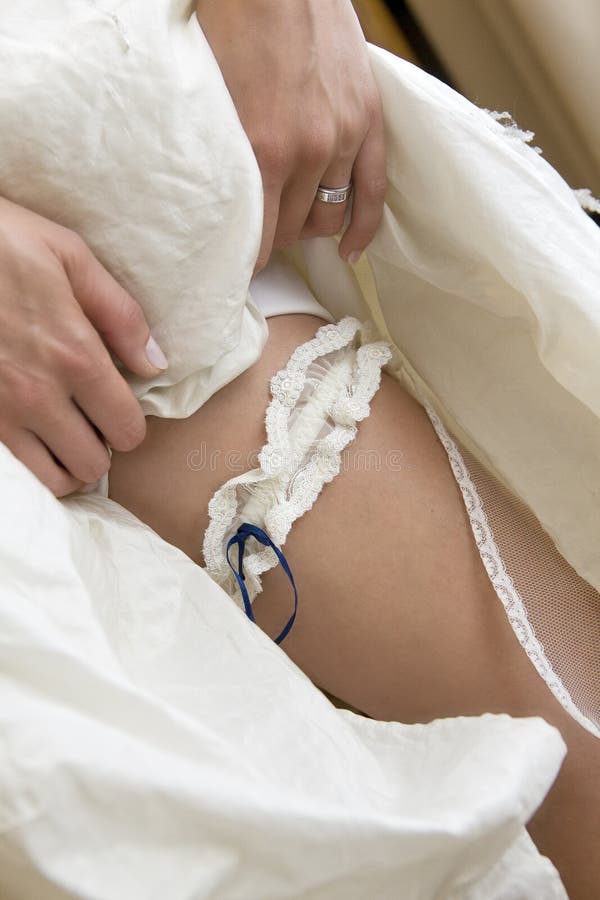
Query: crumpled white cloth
(487, 274)
(154, 743)
(116, 121)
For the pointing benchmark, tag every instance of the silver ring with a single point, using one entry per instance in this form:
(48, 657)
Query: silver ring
(334, 195)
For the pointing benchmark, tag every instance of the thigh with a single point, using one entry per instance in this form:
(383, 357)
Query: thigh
(169, 479)
(396, 613)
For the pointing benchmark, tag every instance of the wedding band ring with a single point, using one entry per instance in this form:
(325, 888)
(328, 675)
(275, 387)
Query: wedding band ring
(334, 195)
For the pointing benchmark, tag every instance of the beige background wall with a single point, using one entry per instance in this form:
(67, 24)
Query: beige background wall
(538, 59)
(380, 28)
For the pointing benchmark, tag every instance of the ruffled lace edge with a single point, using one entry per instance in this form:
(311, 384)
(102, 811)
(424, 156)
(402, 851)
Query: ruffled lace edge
(276, 459)
(583, 196)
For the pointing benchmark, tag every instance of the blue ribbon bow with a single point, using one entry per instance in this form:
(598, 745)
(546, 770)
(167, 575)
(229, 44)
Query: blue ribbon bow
(245, 531)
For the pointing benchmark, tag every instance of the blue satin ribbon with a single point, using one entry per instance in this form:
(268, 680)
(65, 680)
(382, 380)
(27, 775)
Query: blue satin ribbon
(245, 531)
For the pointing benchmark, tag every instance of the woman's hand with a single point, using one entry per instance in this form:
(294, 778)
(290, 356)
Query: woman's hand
(61, 397)
(300, 78)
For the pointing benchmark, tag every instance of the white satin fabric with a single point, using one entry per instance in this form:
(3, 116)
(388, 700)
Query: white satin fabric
(278, 290)
(152, 741)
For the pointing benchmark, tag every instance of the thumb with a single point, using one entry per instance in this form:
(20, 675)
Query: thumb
(113, 312)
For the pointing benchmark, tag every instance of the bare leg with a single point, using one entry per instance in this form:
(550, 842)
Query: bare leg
(397, 615)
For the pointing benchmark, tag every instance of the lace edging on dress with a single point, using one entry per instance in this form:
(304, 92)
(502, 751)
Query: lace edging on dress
(499, 577)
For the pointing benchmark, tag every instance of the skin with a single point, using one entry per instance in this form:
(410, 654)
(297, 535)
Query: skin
(375, 613)
(300, 78)
(62, 399)
(312, 113)
(368, 625)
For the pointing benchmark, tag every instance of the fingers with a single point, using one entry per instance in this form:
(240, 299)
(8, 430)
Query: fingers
(32, 453)
(68, 435)
(92, 386)
(104, 397)
(272, 197)
(50, 414)
(112, 311)
(296, 203)
(306, 107)
(370, 182)
(326, 219)
(293, 211)
(62, 399)
(369, 179)
(290, 185)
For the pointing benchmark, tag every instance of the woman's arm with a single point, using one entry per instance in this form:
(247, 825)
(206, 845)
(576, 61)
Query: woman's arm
(299, 75)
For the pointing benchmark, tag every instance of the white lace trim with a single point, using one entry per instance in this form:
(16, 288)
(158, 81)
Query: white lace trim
(511, 129)
(283, 487)
(583, 196)
(499, 577)
(586, 200)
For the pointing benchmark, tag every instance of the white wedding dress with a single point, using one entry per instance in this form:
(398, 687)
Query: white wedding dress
(153, 742)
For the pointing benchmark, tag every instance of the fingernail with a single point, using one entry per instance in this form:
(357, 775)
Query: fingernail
(155, 355)
(354, 257)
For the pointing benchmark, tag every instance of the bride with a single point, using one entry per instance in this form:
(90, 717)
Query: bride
(397, 557)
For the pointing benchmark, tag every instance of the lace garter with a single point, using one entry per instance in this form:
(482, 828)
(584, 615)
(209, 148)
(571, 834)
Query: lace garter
(317, 399)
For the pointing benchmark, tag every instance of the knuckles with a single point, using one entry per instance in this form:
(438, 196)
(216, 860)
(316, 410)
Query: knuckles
(312, 148)
(73, 249)
(351, 133)
(274, 159)
(318, 148)
(26, 391)
(80, 361)
(130, 433)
